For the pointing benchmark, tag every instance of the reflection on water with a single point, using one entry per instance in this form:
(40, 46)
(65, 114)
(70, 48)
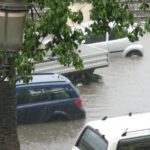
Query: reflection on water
(125, 88)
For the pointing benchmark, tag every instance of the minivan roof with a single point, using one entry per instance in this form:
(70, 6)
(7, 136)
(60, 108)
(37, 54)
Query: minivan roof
(117, 128)
(39, 78)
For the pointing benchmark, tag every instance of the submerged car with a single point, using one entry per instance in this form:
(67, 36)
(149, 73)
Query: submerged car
(111, 42)
(130, 132)
(48, 97)
(116, 45)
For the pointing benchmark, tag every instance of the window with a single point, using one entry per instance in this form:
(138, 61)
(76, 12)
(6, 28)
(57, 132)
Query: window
(113, 36)
(138, 143)
(37, 95)
(57, 93)
(94, 39)
(23, 96)
(91, 140)
(31, 95)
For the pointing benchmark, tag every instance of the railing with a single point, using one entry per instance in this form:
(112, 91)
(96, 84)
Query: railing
(134, 5)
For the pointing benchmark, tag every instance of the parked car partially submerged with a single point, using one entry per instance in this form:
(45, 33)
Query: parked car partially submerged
(48, 97)
(116, 45)
(119, 133)
(113, 43)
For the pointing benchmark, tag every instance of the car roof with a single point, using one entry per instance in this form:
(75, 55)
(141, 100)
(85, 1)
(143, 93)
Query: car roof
(39, 78)
(123, 127)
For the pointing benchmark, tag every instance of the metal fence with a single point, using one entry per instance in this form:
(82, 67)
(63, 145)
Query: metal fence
(134, 7)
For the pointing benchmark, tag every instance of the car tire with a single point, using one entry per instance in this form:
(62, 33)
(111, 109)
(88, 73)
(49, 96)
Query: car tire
(58, 117)
(134, 53)
(84, 77)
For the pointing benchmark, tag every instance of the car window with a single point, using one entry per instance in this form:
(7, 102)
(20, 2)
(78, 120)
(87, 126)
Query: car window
(113, 36)
(37, 95)
(31, 95)
(22, 96)
(91, 140)
(57, 93)
(139, 143)
(94, 39)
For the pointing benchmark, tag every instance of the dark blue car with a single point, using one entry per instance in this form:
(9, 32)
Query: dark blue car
(48, 97)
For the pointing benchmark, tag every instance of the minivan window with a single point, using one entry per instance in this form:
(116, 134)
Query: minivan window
(37, 95)
(34, 94)
(138, 143)
(57, 93)
(91, 140)
(23, 96)
(31, 95)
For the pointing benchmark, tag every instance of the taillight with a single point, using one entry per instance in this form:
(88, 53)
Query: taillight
(79, 102)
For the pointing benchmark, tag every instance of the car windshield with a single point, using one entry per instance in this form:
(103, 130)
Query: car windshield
(139, 143)
(91, 140)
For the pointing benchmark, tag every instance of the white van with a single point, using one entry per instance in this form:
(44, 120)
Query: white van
(130, 132)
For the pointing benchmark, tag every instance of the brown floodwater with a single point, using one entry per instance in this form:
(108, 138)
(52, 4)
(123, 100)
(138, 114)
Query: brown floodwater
(125, 87)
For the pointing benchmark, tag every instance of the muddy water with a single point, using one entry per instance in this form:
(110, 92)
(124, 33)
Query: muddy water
(125, 88)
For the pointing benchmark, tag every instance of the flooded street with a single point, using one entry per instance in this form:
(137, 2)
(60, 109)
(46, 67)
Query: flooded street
(125, 88)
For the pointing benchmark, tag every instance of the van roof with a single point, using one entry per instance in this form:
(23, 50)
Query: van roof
(38, 78)
(117, 128)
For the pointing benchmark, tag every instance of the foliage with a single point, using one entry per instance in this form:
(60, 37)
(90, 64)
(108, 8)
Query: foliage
(64, 41)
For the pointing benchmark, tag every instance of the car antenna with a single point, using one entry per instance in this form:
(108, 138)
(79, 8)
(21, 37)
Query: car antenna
(105, 117)
(130, 113)
(125, 133)
(59, 74)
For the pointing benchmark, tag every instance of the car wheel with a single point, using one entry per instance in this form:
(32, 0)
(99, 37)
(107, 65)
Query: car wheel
(134, 53)
(83, 77)
(58, 117)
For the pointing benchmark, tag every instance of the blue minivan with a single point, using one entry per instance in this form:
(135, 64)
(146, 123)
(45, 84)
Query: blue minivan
(48, 97)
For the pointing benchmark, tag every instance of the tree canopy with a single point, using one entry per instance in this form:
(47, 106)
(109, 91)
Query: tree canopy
(52, 20)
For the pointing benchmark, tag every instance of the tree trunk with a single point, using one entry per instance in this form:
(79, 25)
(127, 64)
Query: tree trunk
(8, 121)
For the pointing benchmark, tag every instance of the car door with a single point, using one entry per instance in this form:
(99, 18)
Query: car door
(117, 44)
(61, 101)
(31, 107)
(97, 41)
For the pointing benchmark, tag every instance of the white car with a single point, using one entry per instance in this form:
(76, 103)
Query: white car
(110, 42)
(130, 132)
(115, 45)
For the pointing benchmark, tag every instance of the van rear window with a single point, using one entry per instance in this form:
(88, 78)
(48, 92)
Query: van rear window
(91, 140)
(42, 94)
(57, 93)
